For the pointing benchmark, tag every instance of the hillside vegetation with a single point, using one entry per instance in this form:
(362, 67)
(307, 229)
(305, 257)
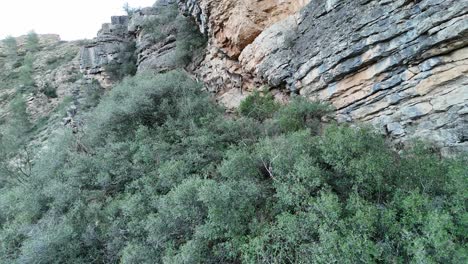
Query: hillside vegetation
(155, 171)
(159, 174)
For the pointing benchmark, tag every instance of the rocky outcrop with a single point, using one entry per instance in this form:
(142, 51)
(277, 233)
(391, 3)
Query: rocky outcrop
(122, 39)
(234, 24)
(112, 44)
(153, 54)
(400, 65)
(231, 25)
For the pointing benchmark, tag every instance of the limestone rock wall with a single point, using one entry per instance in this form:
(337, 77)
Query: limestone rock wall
(112, 43)
(231, 25)
(123, 38)
(400, 65)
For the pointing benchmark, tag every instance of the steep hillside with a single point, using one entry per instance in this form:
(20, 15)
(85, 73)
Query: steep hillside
(400, 66)
(205, 131)
(42, 73)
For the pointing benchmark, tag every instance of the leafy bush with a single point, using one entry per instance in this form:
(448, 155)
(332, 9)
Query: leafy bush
(32, 42)
(11, 47)
(163, 24)
(26, 73)
(56, 61)
(160, 175)
(300, 114)
(189, 41)
(92, 95)
(50, 91)
(129, 10)
(258, 106)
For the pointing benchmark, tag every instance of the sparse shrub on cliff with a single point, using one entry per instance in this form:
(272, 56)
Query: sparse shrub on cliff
(125, 67)
(129, 10)
(11, 47)
(50, 91)
(26, 73)
(54, 62)
(32, 42)
(259, 106)
(92, 95)
(190, 42)
(15, 158)
(163, 24)
(300, 114)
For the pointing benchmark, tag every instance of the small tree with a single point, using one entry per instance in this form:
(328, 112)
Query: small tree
(32, 42)
(129, 10)
(11, 47)
(26, 72)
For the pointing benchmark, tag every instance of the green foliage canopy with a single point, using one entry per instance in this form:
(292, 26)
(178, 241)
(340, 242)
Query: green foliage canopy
(160, 175)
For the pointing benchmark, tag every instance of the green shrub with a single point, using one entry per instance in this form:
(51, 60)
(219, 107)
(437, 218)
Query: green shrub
(32, 42)
(159, 174)
(50, 91)
(190, 42)
(130, 11)
(163, 24)
(26, 72)
(92, 95)
(258, 106)
(11, 47)
(300, 113)
(126, 66)
(56, 61)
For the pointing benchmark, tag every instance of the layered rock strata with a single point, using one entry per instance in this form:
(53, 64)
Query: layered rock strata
(400, 65)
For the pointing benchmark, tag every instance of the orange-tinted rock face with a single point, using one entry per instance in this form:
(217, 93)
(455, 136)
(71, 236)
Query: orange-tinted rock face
(234, 24)
(399, 65)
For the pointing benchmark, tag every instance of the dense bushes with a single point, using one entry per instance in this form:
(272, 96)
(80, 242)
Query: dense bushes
(32, 42)
(160, 175)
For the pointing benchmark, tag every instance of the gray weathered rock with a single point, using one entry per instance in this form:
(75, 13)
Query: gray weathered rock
(123, 38)
(400, 65)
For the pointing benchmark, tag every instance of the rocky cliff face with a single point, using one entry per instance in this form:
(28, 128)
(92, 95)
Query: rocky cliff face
(399, 65)
(124, 37)
(112, 44)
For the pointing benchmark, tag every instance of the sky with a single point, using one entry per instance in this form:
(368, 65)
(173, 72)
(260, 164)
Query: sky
(71, 19)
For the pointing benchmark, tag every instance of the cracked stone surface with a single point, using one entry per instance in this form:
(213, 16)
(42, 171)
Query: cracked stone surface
(400, 65)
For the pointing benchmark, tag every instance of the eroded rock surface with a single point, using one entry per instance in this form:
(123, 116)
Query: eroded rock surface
(124, 38)
(400, 65)
(231, 25)
(112, 44)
